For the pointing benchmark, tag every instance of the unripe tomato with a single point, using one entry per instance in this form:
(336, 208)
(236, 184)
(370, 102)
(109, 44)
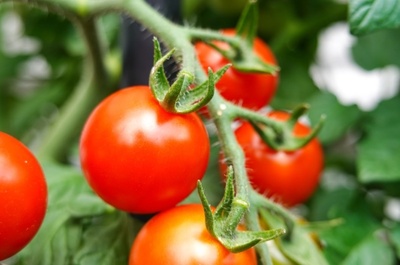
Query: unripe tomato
(140, 158)
(250, 90)
(289, 177)
(179, 236)
(23, 196)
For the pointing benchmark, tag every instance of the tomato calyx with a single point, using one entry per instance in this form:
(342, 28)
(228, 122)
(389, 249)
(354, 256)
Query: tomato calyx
(224, 221)
(239, 48)
(280, 136)
(246, 31)
(180, 97)
(241, 54)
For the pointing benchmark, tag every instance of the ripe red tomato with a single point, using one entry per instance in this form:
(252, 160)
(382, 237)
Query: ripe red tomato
(23, 196)
(140, 158)
(179, 236)
(250, 90)
(289, 177)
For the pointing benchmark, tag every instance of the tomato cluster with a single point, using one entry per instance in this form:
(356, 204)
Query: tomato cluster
(142, 159)
(23, 196)
(289, 177)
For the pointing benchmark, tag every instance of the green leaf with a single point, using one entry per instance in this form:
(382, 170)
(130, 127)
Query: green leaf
(342, 240)
(295, 84)
(78, 226)
(368, 50)
(367, 16)
(107, 240)
(379, 151)
(300, 248)
(372, 250)
(395, 239)
(339, 118)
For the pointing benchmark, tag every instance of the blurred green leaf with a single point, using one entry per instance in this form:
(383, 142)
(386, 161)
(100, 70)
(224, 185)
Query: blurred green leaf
(301, 248)
(366, 16)
(106, 241)
(78, 226)
(369, 53)
(339, 118)
(340, 196)
(379, 151)
(395, 239)
(295, 84)
(370, 251)
(341, 241)
(25, 112)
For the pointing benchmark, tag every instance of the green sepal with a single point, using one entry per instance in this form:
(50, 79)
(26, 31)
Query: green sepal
(158, 81)
(281, 137)
(247, 25)
(223, 223)
(180, 97)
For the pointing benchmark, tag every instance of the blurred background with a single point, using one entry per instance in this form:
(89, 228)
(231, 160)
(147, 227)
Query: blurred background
(354, 80)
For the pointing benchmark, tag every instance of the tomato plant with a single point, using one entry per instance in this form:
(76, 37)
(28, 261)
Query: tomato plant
(182, 239)
(288, 176)
(23, 196)
(139, 157)
(50, 81)
(250, 90)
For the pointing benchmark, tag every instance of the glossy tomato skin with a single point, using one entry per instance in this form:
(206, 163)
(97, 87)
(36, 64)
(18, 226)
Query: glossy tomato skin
(250, 90)
(179, 237)
(23, 196)
(289, 177)
(140, 158)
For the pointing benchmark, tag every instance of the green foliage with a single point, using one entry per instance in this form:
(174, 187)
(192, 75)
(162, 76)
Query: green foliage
(378, 49)
(341, 118)
(367, 16)
(379, 150)
(79, 228)
(301, 248)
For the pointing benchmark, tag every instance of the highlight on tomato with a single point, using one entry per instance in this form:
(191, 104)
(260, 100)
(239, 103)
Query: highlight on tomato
(23, 196)
(288, 177)
(250, 90)
(179, 236)
(140, 158)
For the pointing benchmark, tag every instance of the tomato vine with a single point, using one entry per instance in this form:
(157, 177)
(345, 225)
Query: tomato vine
(193, 88)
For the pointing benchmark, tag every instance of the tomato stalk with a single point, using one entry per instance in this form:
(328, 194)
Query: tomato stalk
(90, 89)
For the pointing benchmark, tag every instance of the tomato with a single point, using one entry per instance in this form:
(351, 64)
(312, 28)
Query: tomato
(250, 90)
(23, 196)
(289, 177)
(140, 158)
(179, 236)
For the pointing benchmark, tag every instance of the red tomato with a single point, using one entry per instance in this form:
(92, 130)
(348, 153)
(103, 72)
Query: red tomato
(23, 196)
(289, 177)
(140, 158)
(179, 236)
(250, 90)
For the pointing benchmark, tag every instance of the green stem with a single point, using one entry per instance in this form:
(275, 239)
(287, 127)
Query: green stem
(87, 93)
(253, 224)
